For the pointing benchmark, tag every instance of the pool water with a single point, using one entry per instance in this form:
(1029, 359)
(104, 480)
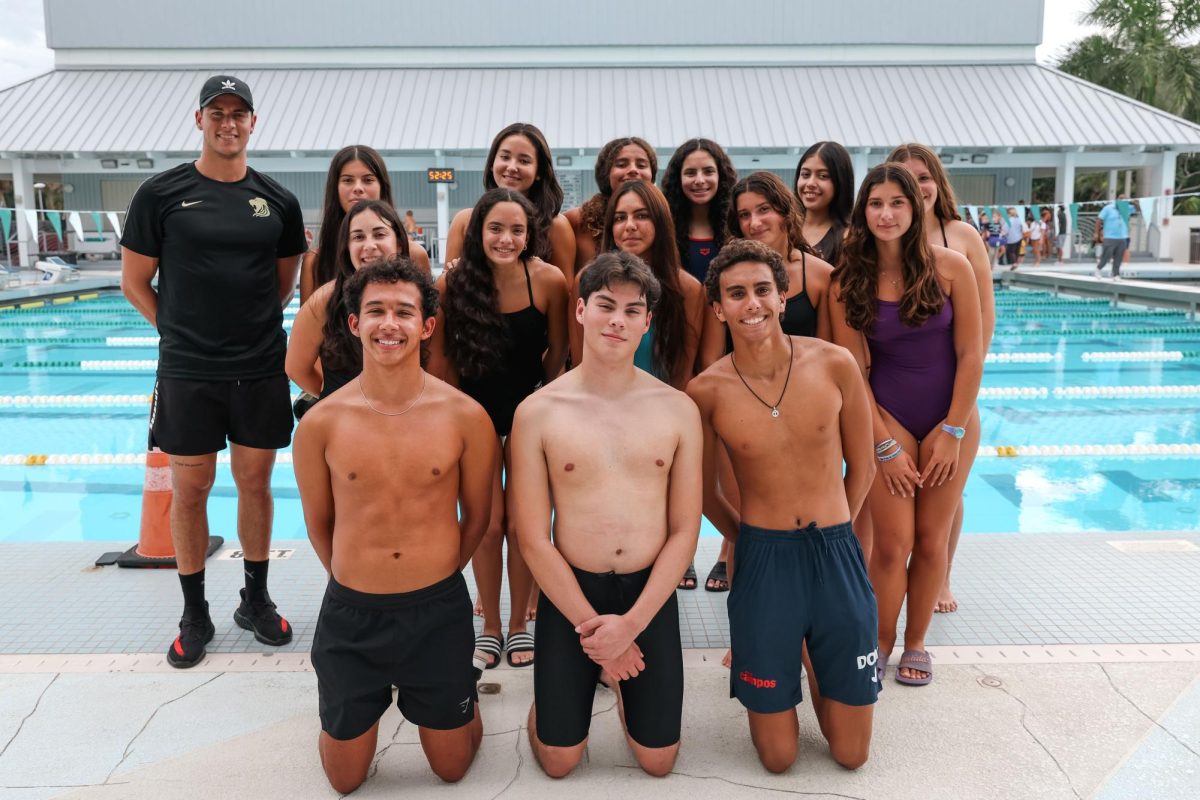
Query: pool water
(75, 380)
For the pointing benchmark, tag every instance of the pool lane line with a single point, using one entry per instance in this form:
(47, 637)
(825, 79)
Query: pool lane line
(987, 451)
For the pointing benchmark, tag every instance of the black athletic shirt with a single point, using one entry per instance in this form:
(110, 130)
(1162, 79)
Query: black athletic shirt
(219, 315)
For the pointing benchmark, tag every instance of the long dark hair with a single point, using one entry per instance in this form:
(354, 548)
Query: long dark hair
(858, 269)
(681, 206)
(946, 206)
(670, 317)
(476, 335)
(841, 174)
(592, 212)
(340, 349)
(771, 187)
(332, 215)
(546, 194)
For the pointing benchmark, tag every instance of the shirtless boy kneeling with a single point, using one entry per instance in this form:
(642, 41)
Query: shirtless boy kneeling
(617, 454)
(397, 453)
(789, 410)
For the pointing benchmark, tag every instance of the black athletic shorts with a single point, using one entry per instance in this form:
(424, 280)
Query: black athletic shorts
(420, 642)
(193, 418)
(808, 585)
(564, 678)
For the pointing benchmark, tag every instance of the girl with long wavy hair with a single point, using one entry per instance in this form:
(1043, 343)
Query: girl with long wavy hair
(629, 158)
(520, 160)
(697, 184)
(323, 355)
(638, 221)
(912, 309)
(824, 185)
(944, 226)
(500, 334)
(356, 173)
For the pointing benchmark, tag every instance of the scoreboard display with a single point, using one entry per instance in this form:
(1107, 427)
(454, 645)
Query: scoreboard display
(440, 175)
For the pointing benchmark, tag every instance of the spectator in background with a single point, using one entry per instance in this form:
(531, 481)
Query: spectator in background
(1112, 233)
(996, 232)
(1014, 237)
(1062, 232)
(1036, 229)
(410, 224)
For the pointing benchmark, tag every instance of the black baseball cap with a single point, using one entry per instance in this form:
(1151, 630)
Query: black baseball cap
(218, 85)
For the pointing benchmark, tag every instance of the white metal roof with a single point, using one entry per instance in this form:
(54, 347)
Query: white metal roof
(1022, 106)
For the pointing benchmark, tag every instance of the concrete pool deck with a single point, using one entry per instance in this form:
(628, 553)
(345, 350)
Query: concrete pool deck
(1071, 670)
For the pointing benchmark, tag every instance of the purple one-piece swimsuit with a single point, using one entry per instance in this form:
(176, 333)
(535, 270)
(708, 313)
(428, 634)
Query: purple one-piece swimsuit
(912, 369)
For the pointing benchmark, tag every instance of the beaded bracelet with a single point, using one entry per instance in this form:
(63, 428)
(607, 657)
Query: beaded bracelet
(890, 456)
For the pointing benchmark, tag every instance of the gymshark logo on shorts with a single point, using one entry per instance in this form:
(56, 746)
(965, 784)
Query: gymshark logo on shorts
(260, 207)
(464, 706)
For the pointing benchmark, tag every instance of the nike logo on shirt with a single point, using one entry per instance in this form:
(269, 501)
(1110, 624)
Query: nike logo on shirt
(186, 204)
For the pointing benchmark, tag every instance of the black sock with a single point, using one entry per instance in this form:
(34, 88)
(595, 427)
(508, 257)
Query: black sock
(193, 592)
(256, 577)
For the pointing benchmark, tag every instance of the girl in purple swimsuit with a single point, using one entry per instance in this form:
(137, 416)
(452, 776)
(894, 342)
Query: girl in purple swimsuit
(913, 314)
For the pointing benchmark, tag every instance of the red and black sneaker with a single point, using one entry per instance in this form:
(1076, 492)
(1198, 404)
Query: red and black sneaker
(259, 615)
(195, 631)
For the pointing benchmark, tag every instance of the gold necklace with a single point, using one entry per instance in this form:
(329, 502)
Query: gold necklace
(393, 413)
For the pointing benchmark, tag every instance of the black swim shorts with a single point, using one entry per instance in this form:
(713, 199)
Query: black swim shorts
(420, 642)
(564, 678)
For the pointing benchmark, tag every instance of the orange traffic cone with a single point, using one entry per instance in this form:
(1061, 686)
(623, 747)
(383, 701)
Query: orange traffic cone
(154, 547)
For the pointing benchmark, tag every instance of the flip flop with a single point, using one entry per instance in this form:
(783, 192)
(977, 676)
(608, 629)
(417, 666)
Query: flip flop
(689, 575)
(487, 653)
(519, 642)
(918, 660)
(719, 575)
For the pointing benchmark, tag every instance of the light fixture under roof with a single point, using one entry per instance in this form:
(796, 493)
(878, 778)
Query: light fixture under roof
(108, 163)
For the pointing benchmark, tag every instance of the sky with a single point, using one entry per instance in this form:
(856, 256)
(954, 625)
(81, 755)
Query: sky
(23, 52)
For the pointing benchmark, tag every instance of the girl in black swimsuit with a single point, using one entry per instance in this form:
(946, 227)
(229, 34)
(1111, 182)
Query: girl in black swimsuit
(501, 333)
(824, 185)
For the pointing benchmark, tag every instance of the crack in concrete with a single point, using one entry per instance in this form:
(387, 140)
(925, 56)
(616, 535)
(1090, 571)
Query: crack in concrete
(1024, 713)
(1138, 708)
(21, 725)
(751, 785)
(520, 763)
(383, 751)
(68, 785)
(128, 747)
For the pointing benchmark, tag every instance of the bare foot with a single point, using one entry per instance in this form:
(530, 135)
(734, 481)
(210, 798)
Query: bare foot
(518, 657)
(727, 660)
(946, 602)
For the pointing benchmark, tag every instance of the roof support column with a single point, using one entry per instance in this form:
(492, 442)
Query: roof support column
(1064, 189)
(1162, 182)
(443, 210)
(24, 198)
(859, 159)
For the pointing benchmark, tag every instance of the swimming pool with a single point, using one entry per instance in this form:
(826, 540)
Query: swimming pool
(1091, 422)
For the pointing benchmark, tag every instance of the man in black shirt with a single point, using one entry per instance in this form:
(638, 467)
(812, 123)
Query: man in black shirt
(226, 243)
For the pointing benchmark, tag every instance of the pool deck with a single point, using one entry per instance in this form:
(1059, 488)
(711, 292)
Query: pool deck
(1072, 669)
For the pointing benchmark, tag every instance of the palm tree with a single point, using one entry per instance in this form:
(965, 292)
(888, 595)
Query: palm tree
(1147, 51)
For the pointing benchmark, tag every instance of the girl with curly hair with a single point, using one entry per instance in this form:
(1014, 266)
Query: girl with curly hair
(697, 184)
(500, 334)
(356, 173)
(910, 310)
(629, 158)
(520, 160)
(638, 221)
(944, 226)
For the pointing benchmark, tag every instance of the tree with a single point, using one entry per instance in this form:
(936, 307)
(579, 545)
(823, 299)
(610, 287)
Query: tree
(1147, 51)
